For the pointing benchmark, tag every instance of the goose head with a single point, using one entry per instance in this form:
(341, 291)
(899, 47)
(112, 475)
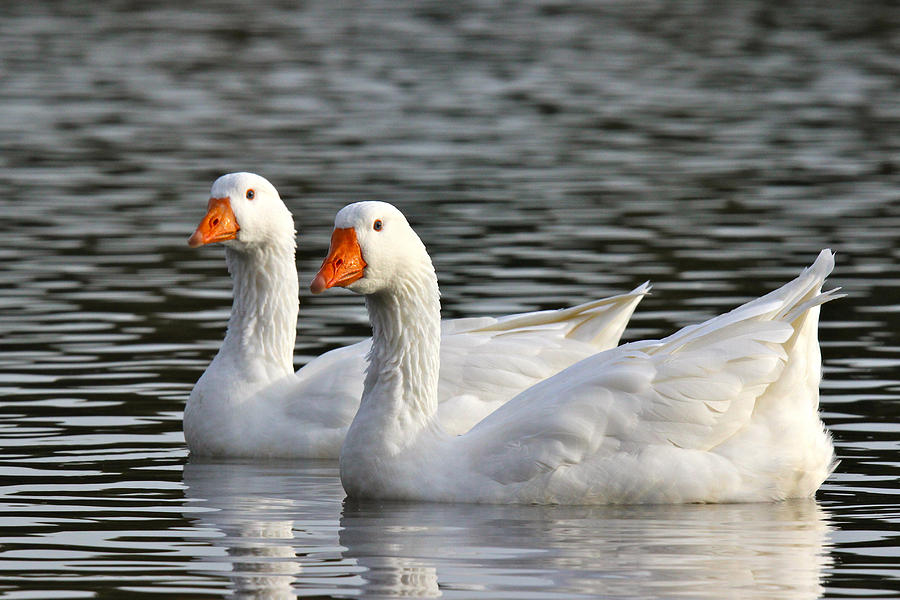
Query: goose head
(244, 211)
(372, 248)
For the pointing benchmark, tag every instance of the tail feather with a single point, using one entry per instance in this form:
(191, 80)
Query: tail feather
(822, 298)
(784, 304)
(598, 322)
(606, 321)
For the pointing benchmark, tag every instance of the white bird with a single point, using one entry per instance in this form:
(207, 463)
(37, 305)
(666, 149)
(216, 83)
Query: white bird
(250, 403)
(723, 411)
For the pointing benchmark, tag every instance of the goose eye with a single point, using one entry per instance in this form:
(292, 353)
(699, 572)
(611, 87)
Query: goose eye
(377, 225)
(251, 194)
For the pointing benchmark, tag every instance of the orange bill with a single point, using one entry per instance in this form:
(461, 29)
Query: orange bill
(218, 225)
(344, 263)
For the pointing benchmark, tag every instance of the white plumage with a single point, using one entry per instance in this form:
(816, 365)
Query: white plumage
(722, 411)
(250, 403)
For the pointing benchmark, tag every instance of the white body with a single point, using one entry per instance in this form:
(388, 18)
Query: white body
(723, 411)
(250, 403)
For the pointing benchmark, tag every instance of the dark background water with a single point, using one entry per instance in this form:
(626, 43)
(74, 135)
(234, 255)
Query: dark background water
(548, 153)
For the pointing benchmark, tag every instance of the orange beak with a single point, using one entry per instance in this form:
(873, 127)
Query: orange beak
(218, 225)
(344, 263)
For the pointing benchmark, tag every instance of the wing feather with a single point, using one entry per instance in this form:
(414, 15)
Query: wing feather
(485, 365)
(692, 390)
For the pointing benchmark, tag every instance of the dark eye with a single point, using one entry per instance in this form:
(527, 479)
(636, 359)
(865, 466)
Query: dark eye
(377, 225)
(251, 194)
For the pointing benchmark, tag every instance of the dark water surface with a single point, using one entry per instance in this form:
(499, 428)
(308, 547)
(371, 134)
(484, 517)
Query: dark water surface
(548, 153)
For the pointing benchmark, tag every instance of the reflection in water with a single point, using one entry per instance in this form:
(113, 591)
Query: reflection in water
(264, 563)
(264, 517)
(253, 514)
(754, 550)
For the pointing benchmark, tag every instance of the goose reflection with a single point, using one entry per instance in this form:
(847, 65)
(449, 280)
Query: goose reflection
(283, 528)
(714, 551)
(253, 510)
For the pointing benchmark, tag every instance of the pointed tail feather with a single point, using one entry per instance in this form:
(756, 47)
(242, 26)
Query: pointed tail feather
(598, 322)
(822, 298)
(604, 325)
(783, 304)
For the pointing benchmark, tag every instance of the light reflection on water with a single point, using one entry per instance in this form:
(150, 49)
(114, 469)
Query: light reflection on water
(548, 153)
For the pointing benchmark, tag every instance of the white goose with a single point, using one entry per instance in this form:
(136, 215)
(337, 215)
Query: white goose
(723, 411)
(250, 403)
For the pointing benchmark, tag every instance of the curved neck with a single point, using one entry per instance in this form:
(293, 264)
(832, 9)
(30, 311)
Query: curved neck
(263, 323)
(400, 392)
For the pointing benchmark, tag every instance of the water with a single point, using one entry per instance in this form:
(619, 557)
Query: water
(547, 153)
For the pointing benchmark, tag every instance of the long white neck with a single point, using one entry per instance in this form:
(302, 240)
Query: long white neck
(263, 324)
(399, 398)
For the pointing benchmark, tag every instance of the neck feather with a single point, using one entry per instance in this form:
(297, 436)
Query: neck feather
(402, 378)
(263, 323)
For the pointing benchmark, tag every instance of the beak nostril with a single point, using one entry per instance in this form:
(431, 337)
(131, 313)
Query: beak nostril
(215, 222)
(338, 262)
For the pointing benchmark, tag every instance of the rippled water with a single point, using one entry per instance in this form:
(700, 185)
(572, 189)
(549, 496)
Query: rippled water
(548, 153)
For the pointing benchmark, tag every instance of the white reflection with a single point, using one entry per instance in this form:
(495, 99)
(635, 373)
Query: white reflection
(254, 512)
(714, 551)
(284, 530)
(263, 559)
